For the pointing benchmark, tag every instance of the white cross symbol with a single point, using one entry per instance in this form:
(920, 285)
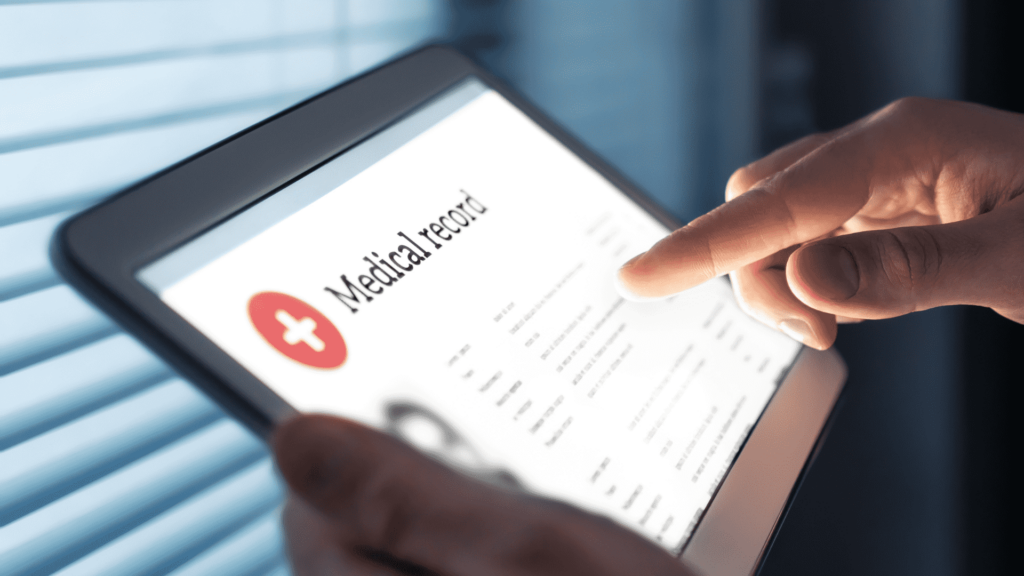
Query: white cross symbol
(299, 330)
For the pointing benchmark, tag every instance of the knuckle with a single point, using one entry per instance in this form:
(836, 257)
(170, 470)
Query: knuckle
(916, 111)
(913, 258)
(908, 106)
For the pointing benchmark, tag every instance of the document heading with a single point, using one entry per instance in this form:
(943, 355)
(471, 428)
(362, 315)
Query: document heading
(386, 271)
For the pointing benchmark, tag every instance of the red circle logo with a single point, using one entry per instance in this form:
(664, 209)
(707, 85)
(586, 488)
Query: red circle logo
(297, 330)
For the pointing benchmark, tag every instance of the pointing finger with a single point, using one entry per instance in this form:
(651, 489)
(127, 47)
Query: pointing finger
(812, 197)
(808, 200)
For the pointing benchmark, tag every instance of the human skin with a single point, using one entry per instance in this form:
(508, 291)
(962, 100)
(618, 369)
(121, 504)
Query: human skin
(915, 206)
(365, 503)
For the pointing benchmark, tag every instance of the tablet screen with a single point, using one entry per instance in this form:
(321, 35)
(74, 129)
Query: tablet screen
(449, 280)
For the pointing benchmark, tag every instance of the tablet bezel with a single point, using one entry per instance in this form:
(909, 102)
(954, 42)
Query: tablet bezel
(100, 251)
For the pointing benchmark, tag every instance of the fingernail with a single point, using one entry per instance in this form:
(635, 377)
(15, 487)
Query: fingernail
(829, 271)
(628, 294)
(796, 329)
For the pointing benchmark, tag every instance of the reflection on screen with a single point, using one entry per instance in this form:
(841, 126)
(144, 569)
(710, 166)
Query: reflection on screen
(456, 291)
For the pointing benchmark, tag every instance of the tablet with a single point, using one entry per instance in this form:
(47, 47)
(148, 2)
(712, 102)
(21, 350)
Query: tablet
(421, 250)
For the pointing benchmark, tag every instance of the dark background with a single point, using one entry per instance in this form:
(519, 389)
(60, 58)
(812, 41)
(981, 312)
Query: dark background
(918, 472)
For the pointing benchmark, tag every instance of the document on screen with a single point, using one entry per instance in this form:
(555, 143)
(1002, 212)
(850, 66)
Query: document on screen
(458, 292)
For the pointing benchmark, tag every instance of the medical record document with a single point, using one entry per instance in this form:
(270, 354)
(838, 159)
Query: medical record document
(457, 291)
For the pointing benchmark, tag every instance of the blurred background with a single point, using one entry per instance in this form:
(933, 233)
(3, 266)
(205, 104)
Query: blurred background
(109, 464)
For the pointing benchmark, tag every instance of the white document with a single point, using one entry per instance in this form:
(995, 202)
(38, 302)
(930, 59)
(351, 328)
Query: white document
(504, 347)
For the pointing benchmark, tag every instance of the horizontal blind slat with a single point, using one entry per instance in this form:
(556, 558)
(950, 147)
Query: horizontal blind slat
(43, 33)
(71, 455)
(74, 525)
(45, 323)
(25, 265)
(362, 13)
(404, 30)
(275, 101)
(206, 516)
(54, 391)
(69, 102)
(326, 37)
(256, 546)
(71, 175)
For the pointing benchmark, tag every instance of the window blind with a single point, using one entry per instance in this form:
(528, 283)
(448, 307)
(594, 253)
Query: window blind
(109, 462)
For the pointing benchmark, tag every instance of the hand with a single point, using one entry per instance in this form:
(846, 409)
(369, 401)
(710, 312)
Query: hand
(915, 206)
(365, 503)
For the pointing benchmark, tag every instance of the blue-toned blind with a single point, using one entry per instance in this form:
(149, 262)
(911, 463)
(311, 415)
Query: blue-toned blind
(109, 463)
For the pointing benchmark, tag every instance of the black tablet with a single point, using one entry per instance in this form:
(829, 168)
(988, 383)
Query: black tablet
(421, 250)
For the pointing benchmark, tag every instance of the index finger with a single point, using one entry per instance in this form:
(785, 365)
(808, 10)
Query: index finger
(810, 198)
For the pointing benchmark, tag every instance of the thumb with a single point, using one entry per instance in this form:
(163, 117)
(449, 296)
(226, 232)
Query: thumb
(887, 273)
(378, 494)
(343, 468)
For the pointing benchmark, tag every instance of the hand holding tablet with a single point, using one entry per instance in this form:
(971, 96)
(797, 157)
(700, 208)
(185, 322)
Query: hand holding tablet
(363, 499)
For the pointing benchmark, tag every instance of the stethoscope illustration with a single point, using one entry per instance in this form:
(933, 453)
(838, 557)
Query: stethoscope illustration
(424, 429)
